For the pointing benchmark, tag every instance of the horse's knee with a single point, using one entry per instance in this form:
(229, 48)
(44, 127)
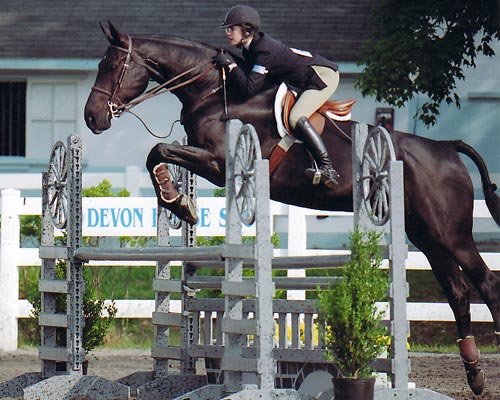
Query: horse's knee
(154, 157)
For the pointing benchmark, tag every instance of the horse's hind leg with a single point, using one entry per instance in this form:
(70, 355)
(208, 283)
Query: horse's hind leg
(484, 280)
(448, 274)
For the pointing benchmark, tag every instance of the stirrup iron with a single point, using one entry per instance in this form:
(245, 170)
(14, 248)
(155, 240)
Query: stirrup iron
(317, 174)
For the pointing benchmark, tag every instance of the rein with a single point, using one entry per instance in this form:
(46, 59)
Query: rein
(116, 110)
(160, 89)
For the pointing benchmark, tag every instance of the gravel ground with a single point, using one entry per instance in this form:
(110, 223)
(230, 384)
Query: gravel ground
(438, 372)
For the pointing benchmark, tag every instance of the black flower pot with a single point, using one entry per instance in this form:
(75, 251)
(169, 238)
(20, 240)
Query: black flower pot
(353, 389)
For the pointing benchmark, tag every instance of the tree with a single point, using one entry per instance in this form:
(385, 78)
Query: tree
(423, 47)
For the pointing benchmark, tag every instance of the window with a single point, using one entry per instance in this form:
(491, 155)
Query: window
(12, 119)
(51, 114)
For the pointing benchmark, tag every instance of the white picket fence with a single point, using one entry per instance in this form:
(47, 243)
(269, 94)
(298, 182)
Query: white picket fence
(136, 216)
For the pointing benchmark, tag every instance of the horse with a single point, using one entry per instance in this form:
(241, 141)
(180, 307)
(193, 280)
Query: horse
(438, 197)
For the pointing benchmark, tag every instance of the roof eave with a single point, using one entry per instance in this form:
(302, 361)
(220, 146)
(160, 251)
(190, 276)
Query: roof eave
(48, 64)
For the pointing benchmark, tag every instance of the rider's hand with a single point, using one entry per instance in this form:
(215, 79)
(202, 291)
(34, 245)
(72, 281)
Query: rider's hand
(224, 59)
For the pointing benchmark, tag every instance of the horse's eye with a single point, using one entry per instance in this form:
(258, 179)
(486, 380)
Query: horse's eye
(110, 66)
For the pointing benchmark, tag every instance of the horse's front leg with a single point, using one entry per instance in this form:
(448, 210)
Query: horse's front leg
(196, 160)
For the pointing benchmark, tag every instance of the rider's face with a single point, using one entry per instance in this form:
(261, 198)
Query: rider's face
(234, 34)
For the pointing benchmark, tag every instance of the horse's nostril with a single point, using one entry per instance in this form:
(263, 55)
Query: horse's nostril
(92, 123)
(90, 120)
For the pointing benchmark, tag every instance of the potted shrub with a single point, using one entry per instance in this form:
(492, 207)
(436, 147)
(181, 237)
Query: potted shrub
(352, 333)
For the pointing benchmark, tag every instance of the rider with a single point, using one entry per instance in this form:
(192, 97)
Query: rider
(313, 77)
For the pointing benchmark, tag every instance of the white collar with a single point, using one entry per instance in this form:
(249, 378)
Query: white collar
(247, 44)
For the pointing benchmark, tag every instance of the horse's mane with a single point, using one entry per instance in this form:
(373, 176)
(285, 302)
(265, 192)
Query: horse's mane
(164, 40)
(180, 55)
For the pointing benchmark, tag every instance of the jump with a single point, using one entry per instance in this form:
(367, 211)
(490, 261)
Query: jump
(438, 222)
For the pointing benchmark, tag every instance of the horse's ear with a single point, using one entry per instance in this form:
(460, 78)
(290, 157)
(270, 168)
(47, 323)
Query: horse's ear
(106, 31)
(113, 35)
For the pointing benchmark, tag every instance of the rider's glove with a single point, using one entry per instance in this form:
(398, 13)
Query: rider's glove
(224, 59)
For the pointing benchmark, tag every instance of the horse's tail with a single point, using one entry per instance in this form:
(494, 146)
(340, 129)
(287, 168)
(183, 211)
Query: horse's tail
(489, 188)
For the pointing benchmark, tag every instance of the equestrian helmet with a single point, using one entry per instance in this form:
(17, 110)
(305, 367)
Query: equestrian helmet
(242, 15)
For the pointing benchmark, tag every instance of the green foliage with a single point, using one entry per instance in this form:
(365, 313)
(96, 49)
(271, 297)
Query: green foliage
(103, 189)
(353, 334)
(423, 47)
(220, 192)
(30, 228)
(97, 315)
(135, 334)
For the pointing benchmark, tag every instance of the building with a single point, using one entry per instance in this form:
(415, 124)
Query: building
(49, 51)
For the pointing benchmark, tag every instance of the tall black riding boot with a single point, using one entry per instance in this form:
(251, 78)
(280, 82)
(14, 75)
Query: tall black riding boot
(324, 172)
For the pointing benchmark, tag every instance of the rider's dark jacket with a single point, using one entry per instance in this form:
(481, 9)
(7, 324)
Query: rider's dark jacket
(271, 59)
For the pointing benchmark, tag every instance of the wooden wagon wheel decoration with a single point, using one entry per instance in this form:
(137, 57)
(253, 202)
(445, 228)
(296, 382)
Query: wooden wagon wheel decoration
(57, 180)
(377, 154)
(246, 152)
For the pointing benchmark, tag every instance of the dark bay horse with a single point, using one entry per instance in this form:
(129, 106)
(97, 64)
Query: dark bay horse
(438, 189)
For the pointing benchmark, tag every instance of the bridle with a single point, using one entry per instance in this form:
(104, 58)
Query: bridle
(114, 108)
(117, 107)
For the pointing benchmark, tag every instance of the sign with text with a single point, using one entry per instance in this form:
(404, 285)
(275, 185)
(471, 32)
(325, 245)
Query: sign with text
(137, 216)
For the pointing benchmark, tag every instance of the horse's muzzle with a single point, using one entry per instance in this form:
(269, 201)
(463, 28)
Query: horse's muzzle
(94, 125)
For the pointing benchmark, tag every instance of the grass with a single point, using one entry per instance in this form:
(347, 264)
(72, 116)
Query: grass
(109, 282)
(447, 349)
(130, 334)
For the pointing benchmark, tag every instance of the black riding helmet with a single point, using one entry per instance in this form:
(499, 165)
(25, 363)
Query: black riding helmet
(242, 15)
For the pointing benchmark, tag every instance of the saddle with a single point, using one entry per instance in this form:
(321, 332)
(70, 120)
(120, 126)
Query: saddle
(339, 110)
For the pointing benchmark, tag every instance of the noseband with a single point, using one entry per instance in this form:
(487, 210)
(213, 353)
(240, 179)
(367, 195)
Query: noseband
(117, 109)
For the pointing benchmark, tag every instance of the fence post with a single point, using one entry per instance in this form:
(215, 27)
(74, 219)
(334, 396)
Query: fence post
(9, 277)
(297, 244)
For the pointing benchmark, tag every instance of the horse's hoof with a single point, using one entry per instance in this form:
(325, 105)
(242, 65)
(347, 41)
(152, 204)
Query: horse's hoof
(186, 209)
(476, 383)
(182, 206)
(470, 358)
